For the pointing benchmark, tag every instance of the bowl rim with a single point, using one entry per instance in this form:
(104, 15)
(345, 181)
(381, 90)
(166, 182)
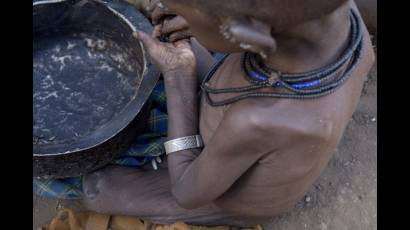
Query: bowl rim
(150, 76)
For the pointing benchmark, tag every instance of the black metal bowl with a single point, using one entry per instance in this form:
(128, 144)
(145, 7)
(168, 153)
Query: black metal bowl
(91, 81)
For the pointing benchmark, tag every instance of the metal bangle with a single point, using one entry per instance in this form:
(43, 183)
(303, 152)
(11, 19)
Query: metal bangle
(183, 143)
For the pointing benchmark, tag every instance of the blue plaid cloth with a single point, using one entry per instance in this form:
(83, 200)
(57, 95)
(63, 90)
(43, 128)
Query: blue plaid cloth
(145, 149)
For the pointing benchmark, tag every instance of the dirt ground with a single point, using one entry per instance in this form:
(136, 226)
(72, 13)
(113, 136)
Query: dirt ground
(343, 198)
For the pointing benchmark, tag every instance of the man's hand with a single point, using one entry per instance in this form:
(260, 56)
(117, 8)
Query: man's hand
(167, 23)
(157, 11)
(171, 58)
(175, 28)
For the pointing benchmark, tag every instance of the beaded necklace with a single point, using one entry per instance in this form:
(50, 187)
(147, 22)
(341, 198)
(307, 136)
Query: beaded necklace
(308, 85)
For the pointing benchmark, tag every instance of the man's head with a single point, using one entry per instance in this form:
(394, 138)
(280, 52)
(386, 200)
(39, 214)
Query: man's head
(209, 19)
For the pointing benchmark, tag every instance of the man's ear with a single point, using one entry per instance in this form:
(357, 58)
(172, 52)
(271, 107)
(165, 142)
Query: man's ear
(250, 33)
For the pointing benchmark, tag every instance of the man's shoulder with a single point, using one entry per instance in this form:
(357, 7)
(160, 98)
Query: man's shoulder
(277, 123)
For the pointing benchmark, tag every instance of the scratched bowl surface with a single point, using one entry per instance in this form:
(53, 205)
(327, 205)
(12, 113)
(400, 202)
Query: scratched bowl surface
(91, 83)
(86, 69)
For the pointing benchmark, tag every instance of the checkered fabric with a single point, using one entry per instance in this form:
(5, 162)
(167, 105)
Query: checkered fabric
(146, 148)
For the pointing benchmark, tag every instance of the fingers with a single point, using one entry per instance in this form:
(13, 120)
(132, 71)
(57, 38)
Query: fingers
(157, 31)
(175, 24)
(180, 35)
(157, 10)
(149, 42)
(158, 14)
(174, 29)
(182, 43)
(152, 5)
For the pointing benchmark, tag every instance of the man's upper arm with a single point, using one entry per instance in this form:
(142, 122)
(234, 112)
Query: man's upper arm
(232, 150)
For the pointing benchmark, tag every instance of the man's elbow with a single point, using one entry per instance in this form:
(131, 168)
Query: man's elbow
(186, 200)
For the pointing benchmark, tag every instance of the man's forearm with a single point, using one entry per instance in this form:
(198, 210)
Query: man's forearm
(182, 105)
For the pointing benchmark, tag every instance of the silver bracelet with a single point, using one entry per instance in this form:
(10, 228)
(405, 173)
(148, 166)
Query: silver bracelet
(183, 143)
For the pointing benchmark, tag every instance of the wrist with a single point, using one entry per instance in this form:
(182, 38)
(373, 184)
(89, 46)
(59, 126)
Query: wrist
(178, 74)
(180, 80)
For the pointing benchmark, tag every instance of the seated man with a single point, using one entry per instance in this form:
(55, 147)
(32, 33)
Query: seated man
(270, 114)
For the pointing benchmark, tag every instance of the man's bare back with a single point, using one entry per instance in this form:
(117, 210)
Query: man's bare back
(302, 135)
(261, 157)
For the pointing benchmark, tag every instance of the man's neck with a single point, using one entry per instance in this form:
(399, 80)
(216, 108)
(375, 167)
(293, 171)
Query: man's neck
(313, 44)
